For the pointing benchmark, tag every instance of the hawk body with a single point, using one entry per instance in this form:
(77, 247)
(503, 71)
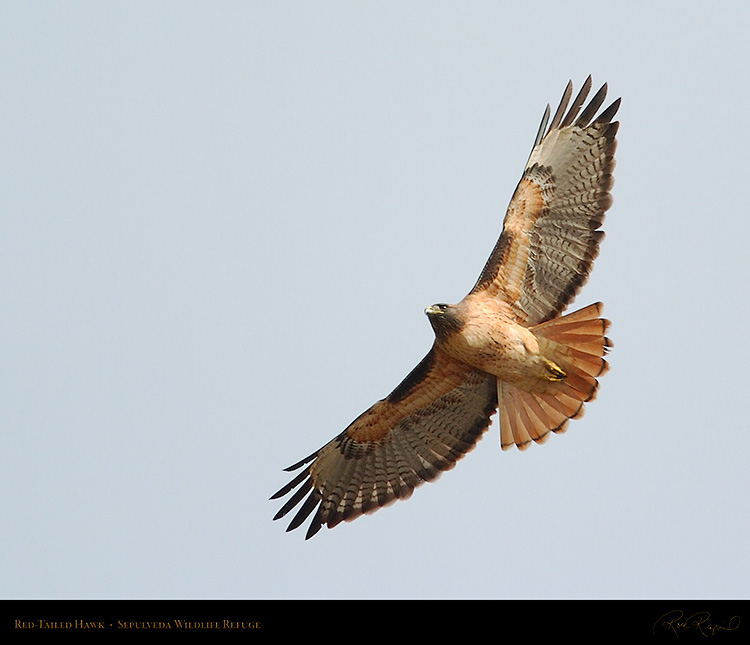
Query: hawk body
(483, 333)
(504, 347)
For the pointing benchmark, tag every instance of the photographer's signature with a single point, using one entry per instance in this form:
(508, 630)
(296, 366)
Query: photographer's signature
(700, 622)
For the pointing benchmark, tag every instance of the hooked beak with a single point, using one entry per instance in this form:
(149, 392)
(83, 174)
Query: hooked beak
(432, 310)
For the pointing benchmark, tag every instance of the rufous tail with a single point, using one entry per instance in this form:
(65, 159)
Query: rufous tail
(575, 343)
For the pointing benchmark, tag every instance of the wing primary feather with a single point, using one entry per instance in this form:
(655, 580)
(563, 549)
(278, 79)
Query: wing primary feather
(577, 103)
(293, 501)
(310, 503)
(299, 464)
(541, 131)
(561, 107)
(291, 485)
(592, 107)
(315, 524)
(609, 113)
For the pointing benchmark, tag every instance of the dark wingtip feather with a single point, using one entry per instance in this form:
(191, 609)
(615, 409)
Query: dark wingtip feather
(577, 103)
(301, 463)
(542, 129)
(561, 107)
(313, 529)
(609, 113)
(290, 486)
(292, 501)
(308, 507)
(592, 107)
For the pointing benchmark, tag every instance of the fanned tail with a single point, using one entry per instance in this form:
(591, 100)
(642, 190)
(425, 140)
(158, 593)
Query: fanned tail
(576, 343)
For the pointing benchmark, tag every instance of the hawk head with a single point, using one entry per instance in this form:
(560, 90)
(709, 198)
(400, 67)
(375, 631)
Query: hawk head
(445, 319)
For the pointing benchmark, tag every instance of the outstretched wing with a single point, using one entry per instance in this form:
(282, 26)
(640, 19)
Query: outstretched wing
(431, 420)
(551, 233)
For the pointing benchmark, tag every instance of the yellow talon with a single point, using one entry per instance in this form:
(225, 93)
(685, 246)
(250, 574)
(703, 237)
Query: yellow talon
(556, 373)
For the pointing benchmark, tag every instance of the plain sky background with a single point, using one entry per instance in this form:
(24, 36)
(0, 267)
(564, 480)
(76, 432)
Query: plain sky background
(221, 223)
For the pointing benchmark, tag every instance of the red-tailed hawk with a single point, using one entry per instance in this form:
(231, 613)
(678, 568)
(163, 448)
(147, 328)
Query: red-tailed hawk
(504, 346)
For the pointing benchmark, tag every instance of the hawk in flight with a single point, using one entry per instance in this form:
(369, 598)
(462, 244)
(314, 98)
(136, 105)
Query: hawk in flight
(504, 347)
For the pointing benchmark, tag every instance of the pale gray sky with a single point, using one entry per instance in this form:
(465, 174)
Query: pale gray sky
(221, 224)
